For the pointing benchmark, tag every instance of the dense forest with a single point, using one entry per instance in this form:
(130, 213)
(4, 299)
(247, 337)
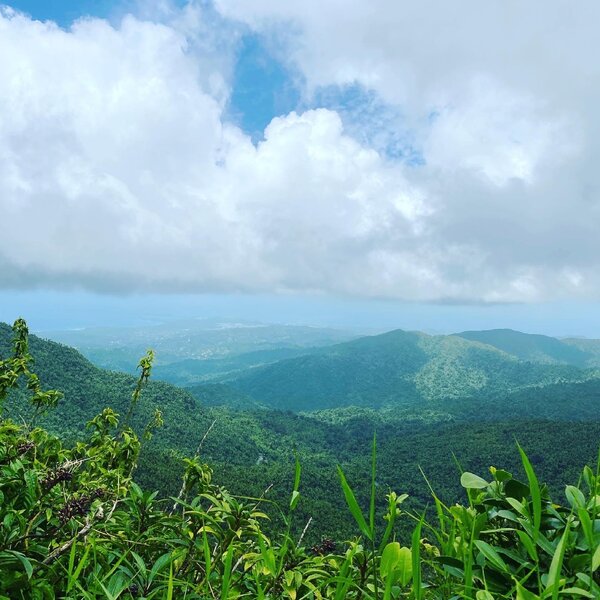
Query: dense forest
(251, 448)
(75, 525)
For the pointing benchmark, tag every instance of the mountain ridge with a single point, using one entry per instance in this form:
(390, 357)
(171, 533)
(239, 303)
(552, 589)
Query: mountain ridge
(396, 368)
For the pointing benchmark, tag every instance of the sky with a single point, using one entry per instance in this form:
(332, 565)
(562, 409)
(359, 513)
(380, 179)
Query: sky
(426, 165)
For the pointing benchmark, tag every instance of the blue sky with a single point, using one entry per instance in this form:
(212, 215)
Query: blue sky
(64, 12)
(262, 86)
(294, 162)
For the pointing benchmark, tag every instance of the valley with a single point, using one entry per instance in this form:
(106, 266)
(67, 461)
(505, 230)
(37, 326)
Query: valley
(428, 398)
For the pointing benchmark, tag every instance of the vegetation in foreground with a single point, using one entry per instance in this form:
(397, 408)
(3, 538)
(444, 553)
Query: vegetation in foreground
(75, 525)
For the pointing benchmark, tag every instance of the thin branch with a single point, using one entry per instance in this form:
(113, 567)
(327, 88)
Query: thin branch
(62, 549)
(304, 531)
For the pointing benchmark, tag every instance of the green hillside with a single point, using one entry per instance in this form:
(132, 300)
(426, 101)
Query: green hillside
(590, 347)
(400, 369)
(76, 525)
(252, 450)
(532, 347)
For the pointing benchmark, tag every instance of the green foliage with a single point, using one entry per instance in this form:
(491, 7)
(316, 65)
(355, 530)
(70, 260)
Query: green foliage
(533, 347)
(399, 370)
(76, 525)
(253, 450)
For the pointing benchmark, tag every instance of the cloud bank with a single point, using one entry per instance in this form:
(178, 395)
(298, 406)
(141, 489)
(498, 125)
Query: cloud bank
(119, 169)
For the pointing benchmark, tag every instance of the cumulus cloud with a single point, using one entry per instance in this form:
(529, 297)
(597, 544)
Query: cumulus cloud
(119, 170)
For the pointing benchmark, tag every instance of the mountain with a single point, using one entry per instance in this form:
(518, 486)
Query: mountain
(397, 369)
(590, 347)
(533, 347)
(197, 339)
(251, 450)
(218, 394)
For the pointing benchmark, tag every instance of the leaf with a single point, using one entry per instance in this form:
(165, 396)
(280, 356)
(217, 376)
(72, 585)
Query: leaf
(596, 559)
(471, 481)
(516, 489)
(534, 489)
(528, 543)
(586, 525)
(353, 506)
(578, 592)
(373, 470)
(389, 559)
(491, 555)
(160, 563)
(500, 474)
(405, 565)
(294, 499)
(575, 496)
(227, 573)
(396, 563)
(484, 595)
(556, 565)
(416, 560)
(525, 594)
(297, 472)
(11, 556)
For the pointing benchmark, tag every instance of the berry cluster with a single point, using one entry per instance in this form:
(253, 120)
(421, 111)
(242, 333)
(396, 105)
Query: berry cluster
(55, 477)
(24, 447)
(79, 507)
(327, 546)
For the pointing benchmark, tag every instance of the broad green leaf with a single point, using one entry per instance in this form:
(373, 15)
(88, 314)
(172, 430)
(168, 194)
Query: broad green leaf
(159, 564)
(389, 559)
(491, 555)
(405, 565)
(528, 543)
(577, 591)
(500, 474)
(575, 497)
(396, 563)
(525, 594)
(472, 481)
(484, 595)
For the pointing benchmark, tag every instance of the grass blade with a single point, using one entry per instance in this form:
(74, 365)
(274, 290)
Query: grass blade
(534, 489)
(353, 506)
(416, 560)
(372, 503)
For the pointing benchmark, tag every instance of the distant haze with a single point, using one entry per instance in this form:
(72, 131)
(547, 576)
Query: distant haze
(58, 311)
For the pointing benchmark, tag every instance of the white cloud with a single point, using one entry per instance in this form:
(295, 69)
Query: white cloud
(119, 171)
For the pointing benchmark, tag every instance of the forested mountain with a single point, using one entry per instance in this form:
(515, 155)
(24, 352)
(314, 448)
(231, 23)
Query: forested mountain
(590, 347)
(534, 347)
(400, 369)
(251, 449)
(74, 519)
